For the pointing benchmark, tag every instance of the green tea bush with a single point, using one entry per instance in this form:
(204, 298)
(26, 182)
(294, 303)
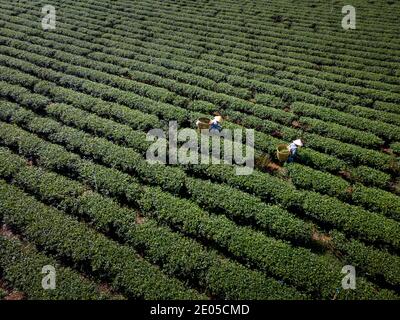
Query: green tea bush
(21, 264)
(55, 232)
(377, 200)
(108, 217)
(369, 176)
(308, 179)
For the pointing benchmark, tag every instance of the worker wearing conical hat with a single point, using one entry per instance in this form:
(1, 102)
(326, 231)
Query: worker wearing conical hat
(215, 124)
(293, 149)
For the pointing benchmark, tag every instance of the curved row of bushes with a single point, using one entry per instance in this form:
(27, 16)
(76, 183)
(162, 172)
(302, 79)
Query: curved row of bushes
(301, 176)
(378, 264)
(353, 154)
(188, 218)
(302, 56)
(167, 177)
(172, 85)
(370, 177)
(170, 36)
(339, 132)
(51, 230)
(264, 142)
(21, 266)
(352, 220)
(370, 198)
(176, 255)
(384, 130)
(105, 92)
(346, 151)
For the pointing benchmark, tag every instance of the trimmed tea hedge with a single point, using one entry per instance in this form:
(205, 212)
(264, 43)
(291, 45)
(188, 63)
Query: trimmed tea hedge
(381, 129)
(111, 71)
(21, 267)
(377, 263)
(134, 118)
(100, 149)
(370, 176)
(377, 200)
(353, 220)
(339, 132)
(177, 255)
(348, 152)
(395, 146)
(183, 214)
(308, 179)
(55, 232)
(247, 208)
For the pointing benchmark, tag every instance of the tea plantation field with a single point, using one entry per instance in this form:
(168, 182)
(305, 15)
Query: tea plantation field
(76, 191)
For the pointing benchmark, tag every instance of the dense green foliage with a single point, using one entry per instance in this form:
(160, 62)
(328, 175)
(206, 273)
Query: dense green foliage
(20, 263)
(77, 192)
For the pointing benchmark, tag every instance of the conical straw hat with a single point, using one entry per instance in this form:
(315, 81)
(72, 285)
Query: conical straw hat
(218, 118)
(298, 142)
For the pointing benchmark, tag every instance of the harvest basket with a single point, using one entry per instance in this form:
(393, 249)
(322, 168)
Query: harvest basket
(282, 152)
(203, 123)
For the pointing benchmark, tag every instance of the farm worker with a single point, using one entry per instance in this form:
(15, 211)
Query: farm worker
(215, 124)
(293, 149)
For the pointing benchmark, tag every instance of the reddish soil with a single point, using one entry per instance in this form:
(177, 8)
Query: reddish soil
(349, 190)
(334, 297)
(395, 187)
(11, 295)
(6, 232)
(31, 161)
(387, 150)
(326, 242)
(296, 124)
(317, 67)
(140, 219)
(262, 161)
(274, 167)
(15, 295)
(321, 237)
(276, 134)
(105, 289)
(345, 174)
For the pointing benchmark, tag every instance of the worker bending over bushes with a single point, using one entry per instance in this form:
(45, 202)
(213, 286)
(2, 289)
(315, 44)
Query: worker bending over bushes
(214, 125)
(293, 149)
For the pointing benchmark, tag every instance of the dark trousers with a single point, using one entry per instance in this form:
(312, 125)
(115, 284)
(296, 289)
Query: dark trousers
(292, 157)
